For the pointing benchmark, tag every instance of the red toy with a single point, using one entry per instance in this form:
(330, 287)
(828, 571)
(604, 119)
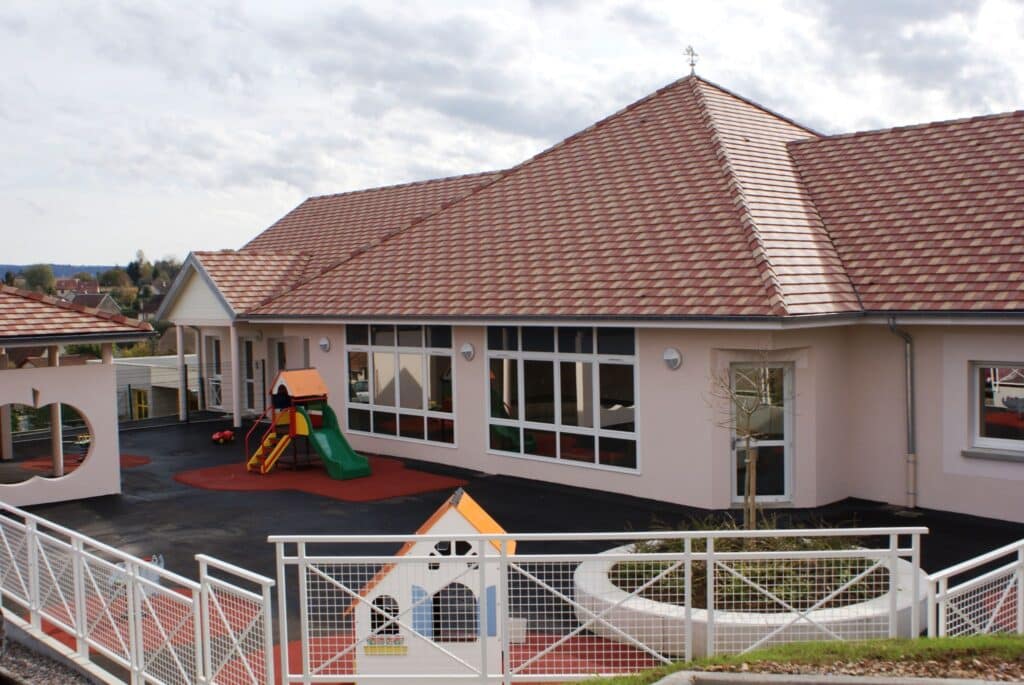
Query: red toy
(221, 437)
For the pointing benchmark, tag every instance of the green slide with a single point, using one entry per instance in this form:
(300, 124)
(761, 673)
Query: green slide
(342, 462)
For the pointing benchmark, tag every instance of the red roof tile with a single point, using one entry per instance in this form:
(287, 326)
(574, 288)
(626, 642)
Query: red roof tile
(26, 314)
(247, 279)
(927, 217)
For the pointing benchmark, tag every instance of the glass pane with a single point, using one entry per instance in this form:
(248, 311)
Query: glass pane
(384, 378)
(771, 471)
(359, 377)
(618, 411)
(410, 336)
(439, 336)
(577, 447)
(384, 422)
(359, 420)
(411, 381)
(617, 452)
(539, 443)
(759, 402)
(440, 430)
(539, 338)
(439, 373)
(576, 340)
(504, 389)
(1002, 402)
(615, 341)
(410, 426)
(502, 338)
(383, 335)
(505, 438)
(577, 380)
(357, 335)
(539, 390)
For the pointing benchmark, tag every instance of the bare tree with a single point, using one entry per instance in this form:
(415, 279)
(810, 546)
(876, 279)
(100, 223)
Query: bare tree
(742, 396)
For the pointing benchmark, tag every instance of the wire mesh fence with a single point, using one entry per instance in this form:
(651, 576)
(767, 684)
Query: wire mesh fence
(980, 596)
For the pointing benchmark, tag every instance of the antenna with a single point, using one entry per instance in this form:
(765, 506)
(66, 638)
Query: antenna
(691, 58)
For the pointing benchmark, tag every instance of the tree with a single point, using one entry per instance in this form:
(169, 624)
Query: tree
(39, 277)
(115, 278)
(747, 397)
(8, 278)
(84, 276)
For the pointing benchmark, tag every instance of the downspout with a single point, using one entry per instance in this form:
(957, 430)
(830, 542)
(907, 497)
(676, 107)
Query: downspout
(911, 458)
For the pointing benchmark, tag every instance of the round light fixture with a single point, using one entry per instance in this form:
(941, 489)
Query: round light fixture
(325, 344)
(673, 359)
(467, 351)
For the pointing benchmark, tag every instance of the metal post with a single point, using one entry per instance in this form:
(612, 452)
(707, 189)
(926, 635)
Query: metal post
(504, 613)
(136, 654)
(1020, 590)
(943, 605)
(268, 638)
(78, 578)
(915, 586)
(201, 637)
(688, 596)
(204, 604)
(932, 611)
(128, 401)
(33, 573)
(710, 570)
(282, 612)
(893, 586)
(484, 612)
(303, 611)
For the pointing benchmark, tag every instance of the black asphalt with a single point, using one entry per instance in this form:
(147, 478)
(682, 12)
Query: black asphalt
(155, 514)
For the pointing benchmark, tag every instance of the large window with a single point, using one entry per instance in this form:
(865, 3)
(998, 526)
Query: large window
(400, 381)
(566, 393)
(999, 399)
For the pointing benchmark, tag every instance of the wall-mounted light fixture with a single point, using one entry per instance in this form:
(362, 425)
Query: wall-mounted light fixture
(325, 344)
(673, 359)
(467, 351)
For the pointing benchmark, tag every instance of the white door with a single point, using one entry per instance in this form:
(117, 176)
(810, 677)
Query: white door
(763, 406)
(249, 372)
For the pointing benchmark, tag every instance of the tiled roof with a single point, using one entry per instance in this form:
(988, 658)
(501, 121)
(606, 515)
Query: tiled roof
(928, 217)
(634, 216)
(331, 228)
(25, 314)
(247, 279)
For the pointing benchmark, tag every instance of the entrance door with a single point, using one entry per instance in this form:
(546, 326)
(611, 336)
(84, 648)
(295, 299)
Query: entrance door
(763, 408)
(213, 391)
(249, 371)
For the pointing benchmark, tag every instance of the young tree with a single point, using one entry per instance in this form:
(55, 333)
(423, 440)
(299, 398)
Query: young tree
(115, 278)
(39, 277)
(84, 276)
(745, 397)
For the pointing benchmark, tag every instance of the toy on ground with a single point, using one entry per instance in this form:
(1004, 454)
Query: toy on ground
(222, 437)
(298, 408)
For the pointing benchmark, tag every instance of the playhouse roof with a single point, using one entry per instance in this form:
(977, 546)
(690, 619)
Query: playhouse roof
(30, 318)
(301, 383)
(475, 515)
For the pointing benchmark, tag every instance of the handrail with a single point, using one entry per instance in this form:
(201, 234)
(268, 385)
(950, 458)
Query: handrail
(268, 408)
(986, 558)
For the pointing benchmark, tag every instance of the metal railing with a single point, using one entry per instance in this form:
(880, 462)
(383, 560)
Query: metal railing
(465, 607)
(989, 600)
(121, 617)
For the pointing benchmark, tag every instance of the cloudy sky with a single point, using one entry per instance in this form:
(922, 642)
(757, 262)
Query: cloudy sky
(169, 126)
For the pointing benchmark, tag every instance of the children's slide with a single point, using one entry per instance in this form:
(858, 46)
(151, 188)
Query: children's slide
(341, 461)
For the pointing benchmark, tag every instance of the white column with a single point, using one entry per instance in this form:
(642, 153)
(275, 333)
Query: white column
(179, 333)
(56, 429)
(204, 400)
(6, 441)
(107, 353)
(236, 380)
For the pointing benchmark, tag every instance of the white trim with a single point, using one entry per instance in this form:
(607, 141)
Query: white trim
(787, 443)
(191, 262)
(974, 411)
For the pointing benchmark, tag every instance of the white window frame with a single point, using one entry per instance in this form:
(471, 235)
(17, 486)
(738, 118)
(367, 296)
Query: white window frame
(977, 439)
(215, 380)
(595, 360)
(789, 426)
(424, 353)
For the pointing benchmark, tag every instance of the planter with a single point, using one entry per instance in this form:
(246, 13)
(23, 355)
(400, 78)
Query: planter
(662, 627)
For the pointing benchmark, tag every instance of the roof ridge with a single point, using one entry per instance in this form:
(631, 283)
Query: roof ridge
(911, 127)
(761, 107)
(759, 253)
(81, 309)
(407, 184)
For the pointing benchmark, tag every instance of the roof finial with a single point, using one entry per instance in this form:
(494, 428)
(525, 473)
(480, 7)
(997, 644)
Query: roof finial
(691, 58)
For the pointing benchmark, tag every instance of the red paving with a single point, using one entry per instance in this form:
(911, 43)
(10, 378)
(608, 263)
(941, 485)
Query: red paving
(71, 462)
(390, 479)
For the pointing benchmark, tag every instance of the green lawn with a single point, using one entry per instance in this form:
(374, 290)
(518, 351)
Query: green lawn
(1007, 647)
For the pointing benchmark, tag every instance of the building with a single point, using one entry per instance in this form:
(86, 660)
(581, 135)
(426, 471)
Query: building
(101, 301)
(66, 287)
(566, 319)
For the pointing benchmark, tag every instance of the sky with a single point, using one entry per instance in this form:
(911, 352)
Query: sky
(172, 126)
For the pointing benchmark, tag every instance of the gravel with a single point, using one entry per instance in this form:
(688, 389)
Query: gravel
(21, 664)
(982, 667)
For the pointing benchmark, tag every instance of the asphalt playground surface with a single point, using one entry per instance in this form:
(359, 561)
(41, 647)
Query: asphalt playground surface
(155, 514)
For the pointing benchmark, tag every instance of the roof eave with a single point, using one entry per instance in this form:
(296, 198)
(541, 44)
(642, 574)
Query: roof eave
(71, 338)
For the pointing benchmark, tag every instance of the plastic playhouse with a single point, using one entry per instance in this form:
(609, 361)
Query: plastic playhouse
(298, 408)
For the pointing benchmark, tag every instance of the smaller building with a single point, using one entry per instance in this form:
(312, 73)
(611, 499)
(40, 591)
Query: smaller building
(73, 286)
(147, 387)
(101, 301)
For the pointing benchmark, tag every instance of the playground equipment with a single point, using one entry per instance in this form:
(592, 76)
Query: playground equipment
(298, 407)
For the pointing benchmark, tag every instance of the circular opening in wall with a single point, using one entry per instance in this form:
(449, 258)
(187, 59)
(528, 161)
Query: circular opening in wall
(32, 441)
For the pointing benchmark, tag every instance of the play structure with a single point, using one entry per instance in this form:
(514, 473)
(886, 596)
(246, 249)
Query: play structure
(299, 409)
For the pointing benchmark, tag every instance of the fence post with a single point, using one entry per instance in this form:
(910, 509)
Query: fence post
(268, 637)
(34, 601)
(282, 612)
(710, 570)
(204, 611)
(1020, 590)
(932, 610)
(78, 578)
(915, 587)
(504, 613)
(943, 605)
(135, 633)
(303, 610)
(688, 597)
(200, 638)
(893, 586)
(128, 401)
(484, 616)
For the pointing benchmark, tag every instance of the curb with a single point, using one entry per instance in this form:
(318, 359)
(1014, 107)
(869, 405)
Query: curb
(9, 678)
(730, 678)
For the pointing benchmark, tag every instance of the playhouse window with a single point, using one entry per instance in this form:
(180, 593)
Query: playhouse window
(383, 616)
(404, 375)
(455, 614)
(577, 404)
(999, 402)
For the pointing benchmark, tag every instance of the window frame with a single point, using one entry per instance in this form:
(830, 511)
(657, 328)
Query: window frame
(1015, 447)
(425, 353)
(788, 443)
(595, 359)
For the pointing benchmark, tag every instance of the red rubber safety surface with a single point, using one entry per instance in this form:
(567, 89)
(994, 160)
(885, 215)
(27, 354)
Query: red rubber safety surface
(390, 478)
(71, 462)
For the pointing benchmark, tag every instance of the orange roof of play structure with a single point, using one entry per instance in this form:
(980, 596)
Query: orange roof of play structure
(301, 383)
(461, 502)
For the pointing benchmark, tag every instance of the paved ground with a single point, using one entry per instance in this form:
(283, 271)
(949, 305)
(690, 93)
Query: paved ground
(157, 514)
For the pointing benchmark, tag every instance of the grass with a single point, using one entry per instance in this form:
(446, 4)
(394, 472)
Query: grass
(1002, 647)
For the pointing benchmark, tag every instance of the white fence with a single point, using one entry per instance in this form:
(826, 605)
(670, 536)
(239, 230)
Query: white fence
(464, 608)
(990, 600)
(123, 618)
